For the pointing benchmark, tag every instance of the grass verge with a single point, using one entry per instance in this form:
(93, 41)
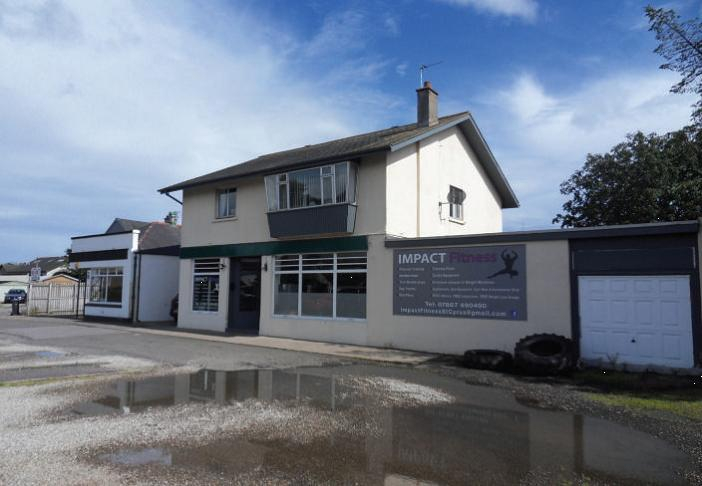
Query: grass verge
(684, 405)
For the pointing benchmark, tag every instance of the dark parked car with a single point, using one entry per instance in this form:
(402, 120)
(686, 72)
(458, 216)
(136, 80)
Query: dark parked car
(16, 294)
(174, 308)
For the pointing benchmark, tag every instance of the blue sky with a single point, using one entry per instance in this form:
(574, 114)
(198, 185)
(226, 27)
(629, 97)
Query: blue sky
(102, 103)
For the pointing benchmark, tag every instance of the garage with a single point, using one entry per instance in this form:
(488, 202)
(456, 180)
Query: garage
(639, 320)
(636, 296)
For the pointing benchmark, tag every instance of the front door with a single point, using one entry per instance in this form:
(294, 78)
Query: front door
(244, 294)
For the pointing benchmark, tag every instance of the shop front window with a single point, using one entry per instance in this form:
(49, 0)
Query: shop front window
(331, 285)
(105, 285)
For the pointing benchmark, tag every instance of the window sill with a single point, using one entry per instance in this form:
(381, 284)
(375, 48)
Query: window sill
(457, 221)
(103, 304)
(318, 318)
(222, 220)
(204, 312)
(311, 207)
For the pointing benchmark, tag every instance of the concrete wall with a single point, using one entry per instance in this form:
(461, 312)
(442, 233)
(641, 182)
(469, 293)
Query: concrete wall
(15, 278)
(548, 310)
(446, 159)
(110, 242)
(548, 307)
(209, 321)
(158, 284)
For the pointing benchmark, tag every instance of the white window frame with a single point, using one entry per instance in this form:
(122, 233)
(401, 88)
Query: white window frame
(456, 212)
(273, 183)
(105, 274)
(335, 271)
(206, 272)
(228, 213)
(455, 209)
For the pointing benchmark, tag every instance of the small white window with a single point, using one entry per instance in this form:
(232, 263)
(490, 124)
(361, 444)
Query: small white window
(226, 203)
(456, 197)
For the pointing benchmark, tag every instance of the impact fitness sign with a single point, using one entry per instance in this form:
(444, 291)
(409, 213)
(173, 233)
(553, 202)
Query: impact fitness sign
(485, 282)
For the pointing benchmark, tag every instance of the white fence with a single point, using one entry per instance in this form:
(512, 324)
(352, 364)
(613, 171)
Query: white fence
(56, 299)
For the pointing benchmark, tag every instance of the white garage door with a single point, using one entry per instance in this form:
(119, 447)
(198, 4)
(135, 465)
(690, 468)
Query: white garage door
(638, 320)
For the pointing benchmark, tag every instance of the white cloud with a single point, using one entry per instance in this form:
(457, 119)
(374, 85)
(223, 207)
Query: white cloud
(102, 103)
(340, 31)
(540, 137)
(392, 25)
(525, 9)
(401, 69)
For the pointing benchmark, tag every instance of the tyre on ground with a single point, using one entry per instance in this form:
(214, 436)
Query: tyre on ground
(544, 354)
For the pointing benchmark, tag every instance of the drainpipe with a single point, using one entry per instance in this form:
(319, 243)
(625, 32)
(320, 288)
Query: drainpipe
(136, 276)
(418, 190)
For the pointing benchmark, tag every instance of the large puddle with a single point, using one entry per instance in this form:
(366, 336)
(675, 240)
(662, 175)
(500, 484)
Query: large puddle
(481, 436)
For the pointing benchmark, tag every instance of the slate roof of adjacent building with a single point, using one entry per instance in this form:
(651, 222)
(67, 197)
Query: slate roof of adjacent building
(159, 235)
(121, 225)
(389, 139)
(14, 268)
(47, 264)
(156, 237)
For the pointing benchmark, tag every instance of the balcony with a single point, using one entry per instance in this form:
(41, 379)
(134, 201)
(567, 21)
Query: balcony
(311, 221)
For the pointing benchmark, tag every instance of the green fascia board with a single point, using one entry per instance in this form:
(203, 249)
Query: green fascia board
(349, 243)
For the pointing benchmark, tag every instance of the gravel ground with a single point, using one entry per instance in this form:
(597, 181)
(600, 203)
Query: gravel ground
(685, 434)
(38, 441)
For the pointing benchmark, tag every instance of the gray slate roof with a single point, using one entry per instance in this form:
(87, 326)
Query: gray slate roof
(389, 139)
(14, 269)
(159, 235)
(153, 236)
(46, 264)
(121, 225)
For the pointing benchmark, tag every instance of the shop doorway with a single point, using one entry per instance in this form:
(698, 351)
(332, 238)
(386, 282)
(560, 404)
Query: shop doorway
(244, 294)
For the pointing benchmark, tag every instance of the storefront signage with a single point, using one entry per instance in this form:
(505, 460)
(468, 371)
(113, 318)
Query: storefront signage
(485, 282)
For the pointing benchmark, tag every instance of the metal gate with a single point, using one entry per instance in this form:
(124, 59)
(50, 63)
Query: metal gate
(56, 300)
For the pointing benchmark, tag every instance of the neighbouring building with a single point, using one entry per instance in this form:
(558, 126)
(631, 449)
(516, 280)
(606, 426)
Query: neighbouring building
(38, 269)
(132, 270)
(394, 238)
(60, 279)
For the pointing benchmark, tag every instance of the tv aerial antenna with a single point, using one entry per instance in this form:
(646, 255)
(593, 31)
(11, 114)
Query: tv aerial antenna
(424, 67)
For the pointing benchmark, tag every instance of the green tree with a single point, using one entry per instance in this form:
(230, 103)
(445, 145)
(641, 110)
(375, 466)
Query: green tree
(680, 44)
(645, 179)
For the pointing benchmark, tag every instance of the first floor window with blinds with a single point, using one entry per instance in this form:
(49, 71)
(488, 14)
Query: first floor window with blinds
(206, 285)
(105, 285)
(331, 285)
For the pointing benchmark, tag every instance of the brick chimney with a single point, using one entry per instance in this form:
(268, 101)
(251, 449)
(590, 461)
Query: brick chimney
(171, 218)
(427, 106)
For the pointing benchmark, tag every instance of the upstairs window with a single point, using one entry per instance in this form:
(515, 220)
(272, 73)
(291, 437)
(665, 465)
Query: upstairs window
(328, 184)
(456, 197)
(226, 203)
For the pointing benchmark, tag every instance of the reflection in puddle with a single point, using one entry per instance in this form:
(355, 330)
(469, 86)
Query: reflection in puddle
(139, 457)
(49, 354)
(485, 436)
